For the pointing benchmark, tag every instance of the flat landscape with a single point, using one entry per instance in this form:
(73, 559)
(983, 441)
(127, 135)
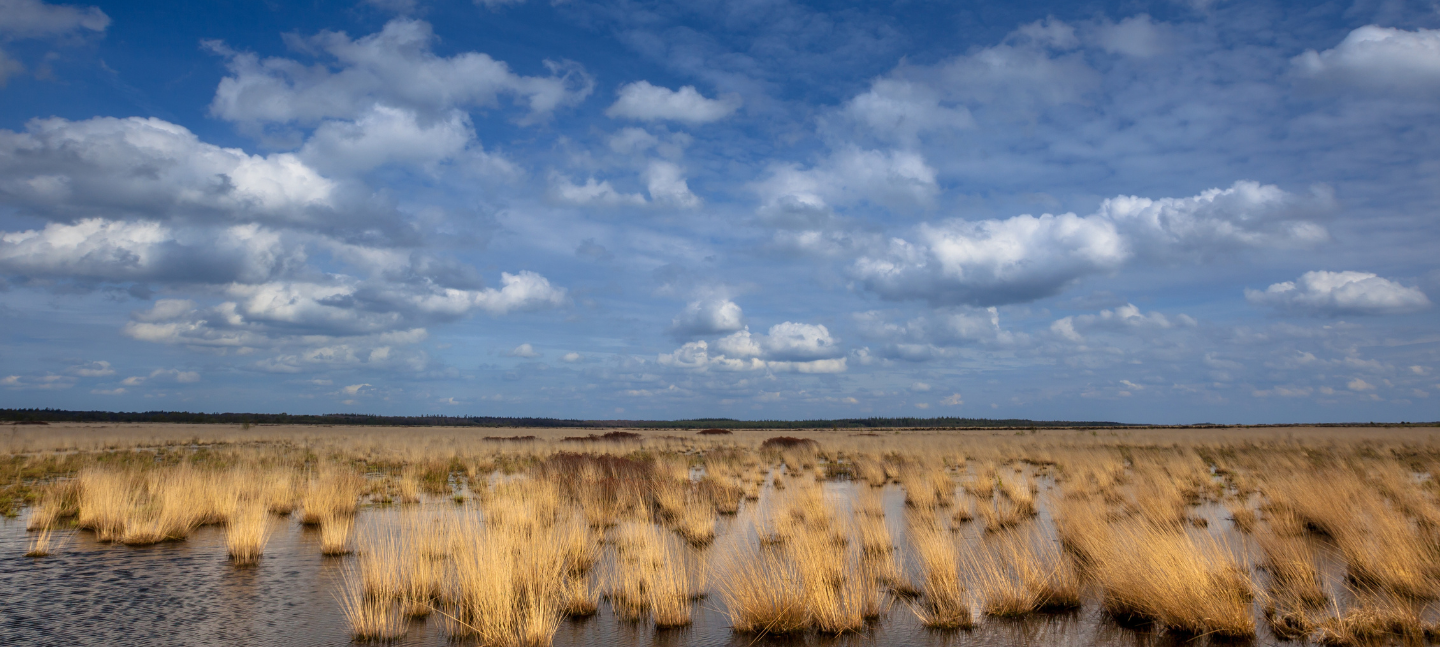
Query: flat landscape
(331, 535)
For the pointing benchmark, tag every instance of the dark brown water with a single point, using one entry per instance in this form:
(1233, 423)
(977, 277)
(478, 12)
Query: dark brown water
(187, 593)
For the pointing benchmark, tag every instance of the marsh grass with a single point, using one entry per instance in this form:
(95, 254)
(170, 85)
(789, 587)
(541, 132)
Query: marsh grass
(1242, 516)
(1377, 621)
(1017, 573)
(335, 535)
(669, 586)
(44, 515)
(943, 603)
(507, 576)
(1290, 561)
(1179, 580)
(247, 531)
(763, 594)
(369, 618)
(544, 531)
(43, 543)
(578, 599)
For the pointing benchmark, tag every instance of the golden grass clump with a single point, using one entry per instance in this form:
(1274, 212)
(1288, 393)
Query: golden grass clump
(247, 531)
(381, 560)
(1016, 574)
(419, 580)
(370, 618)
(814, 580)
(42, 543)
(1243, 516)
(981, 485)
(1290, 561)
(407, 487)
(763, 594)
(1376, 621)
(170, 505)
(577, 598)
(1382, 546)
(1178, 580)
(1020, 489)
(724, 497)
(332, 492)
(335, 535)
(637, 556)
(873, 536)
(44, 515)
(578, 543)
(1002, 513)
(869, 470)
(106, 499)
(927, 485)
(279, 492)
(1384, 549)
(943, 602)
(505, 584)
(832, 590)
(669, 587)
(1158, 498)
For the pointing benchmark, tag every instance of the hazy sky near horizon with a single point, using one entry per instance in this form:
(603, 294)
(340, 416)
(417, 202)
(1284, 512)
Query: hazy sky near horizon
(1205, 211)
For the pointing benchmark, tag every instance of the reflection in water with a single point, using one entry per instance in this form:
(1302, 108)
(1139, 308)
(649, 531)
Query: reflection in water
(189, 593)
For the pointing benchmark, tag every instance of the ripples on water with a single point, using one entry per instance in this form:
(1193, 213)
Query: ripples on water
(188, 593)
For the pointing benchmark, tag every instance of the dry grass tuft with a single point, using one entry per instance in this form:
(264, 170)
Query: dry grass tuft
(1375, 622)
(370, 619)
(763, 594)
(1243, 517)
(943, 602)
(1016, 574)
(335, 535)
(1186, 582)
(577, 598)
(330, 493)
(1291, 563)
(247, 531)
(43, 543)
(507, 575)
(669, 587)
(1001, 514)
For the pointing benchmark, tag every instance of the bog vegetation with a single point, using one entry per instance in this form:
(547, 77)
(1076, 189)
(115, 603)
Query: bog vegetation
(1321, 535)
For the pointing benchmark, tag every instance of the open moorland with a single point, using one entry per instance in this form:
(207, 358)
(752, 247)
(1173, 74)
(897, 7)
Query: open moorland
(198, 534)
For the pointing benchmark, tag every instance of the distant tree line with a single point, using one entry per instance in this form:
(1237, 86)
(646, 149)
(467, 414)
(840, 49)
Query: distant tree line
(56, 415)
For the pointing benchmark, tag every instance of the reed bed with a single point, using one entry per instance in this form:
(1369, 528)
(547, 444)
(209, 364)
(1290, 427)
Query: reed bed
(501, 540)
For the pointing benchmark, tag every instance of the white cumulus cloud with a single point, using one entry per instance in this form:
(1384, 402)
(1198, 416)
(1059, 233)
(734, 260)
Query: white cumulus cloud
(787, 347)
(394, 67)
(1378, 57)
(666, 183)
(1340, 293)
(1023, 258)
(645, 102)
(63, 169)
(386, 135)
(524, 351)
(708, 316)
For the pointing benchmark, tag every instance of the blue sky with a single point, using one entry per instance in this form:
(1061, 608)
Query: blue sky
(1138, 211)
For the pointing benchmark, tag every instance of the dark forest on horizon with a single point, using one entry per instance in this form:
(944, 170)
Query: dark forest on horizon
(11, 416)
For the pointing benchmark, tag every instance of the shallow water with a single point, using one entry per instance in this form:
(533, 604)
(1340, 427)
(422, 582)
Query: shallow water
(89, 593)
